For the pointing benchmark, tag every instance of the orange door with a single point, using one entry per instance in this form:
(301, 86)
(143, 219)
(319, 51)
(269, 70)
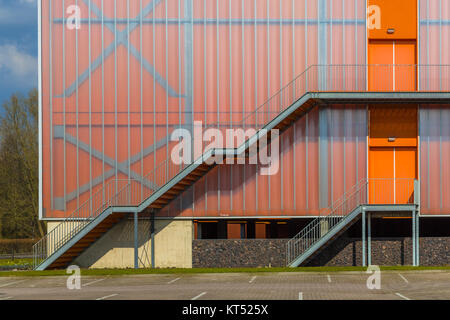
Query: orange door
(381, 173)
(392, 65)
(405, 173)
(380, 66)
(405, 69)
(392, 171)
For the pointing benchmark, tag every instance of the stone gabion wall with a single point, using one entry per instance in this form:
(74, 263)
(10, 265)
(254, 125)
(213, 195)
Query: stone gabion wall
(231, 253)
(235, 253)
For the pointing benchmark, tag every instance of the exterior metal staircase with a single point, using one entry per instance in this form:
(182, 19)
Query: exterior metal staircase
(121, 197)
(329, 225)
(374, 195)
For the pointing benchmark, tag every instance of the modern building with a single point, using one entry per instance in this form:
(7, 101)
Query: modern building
(359, 94)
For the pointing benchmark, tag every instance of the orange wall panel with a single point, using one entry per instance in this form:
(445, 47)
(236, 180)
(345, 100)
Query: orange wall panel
(393, 121)
(398, 14)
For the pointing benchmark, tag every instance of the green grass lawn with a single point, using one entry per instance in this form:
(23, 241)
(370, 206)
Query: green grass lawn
(103, 272)
(15, 262)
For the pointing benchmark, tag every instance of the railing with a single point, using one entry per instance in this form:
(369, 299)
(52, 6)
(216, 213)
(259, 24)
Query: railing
(115, 193)
(328, 219)
(343, 78)
(387, 191)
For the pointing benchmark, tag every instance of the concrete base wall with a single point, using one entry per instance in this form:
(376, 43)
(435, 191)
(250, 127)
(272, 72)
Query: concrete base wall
(115, 249)
(342, 252)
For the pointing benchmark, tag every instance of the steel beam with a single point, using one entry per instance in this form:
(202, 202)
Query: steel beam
(413, 216)
(363, 236)
(152, 238)
(369, 239)
(136, 241)
(417, 239)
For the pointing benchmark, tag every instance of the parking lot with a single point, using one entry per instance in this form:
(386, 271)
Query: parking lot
(395, 285)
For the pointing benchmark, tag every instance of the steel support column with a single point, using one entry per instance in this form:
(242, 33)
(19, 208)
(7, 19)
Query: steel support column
(369, 238)
(413, 237)
(417, 239)
(136, 234)
(363, 237)
(152, 235)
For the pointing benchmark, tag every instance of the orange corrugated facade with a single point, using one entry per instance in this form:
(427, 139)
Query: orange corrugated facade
(115, 89)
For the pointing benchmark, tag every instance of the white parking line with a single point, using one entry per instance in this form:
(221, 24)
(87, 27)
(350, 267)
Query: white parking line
(92, 282)
(329, 278)
(172, 281)
(106, 297)
(402, 296)
(11, 283)
(406, 280)
(300, 296)
(6, 298)
(200, 295)
(252, 279)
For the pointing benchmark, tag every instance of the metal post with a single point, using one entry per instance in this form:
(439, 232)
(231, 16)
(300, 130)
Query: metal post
(369, 238)
(417, 240)
(413, 238)
(136, 253)
(152, 244)
(363, 237)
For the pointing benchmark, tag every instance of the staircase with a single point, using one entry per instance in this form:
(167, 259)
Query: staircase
(122, 197)
(332, 222)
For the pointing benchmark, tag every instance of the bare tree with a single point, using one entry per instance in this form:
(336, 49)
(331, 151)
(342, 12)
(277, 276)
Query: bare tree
(19, 168)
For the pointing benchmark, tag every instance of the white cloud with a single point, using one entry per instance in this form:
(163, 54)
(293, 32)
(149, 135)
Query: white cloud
(15, 13)
(17, 65)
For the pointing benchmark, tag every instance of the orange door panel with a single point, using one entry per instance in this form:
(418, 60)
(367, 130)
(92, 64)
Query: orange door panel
(381, 175)
(392, 65)
(380, 61)
(405, 69)
(405, 173)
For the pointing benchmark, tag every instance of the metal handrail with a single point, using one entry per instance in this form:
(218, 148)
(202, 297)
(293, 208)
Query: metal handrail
(314, 78)
(323, 224)
(360, 194)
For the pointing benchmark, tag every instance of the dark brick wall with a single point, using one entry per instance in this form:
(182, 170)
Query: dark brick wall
(342, 252)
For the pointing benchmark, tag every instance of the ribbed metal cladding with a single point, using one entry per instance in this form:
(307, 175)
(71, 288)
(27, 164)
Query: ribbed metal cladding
(434, 43)
(115, 89)
(303, 192)
(434, 158)
(434, 136)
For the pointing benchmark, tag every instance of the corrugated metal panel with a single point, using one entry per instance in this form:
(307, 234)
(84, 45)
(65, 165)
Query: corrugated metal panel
(114, 90)
(434, 159)
(346, 136)
(434, 43)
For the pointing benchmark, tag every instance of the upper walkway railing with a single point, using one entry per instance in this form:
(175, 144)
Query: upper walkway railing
(316, 78)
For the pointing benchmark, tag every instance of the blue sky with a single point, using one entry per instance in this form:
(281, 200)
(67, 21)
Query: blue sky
(18, 47)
